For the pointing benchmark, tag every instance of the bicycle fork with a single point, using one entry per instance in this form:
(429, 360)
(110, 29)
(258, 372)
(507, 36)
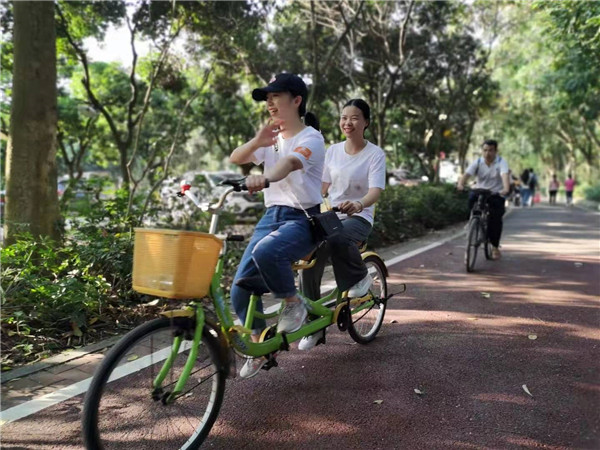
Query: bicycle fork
(157, 392)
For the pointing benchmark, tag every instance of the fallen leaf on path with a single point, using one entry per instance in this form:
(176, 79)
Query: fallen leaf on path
(132, 357)
(152, 303)
(393, 321)
(419, 392)
(378, 402)
(486, 294)
(472, 318)
(533, 337)
(527, 390)
(422, 265)
(578, 264)
(449, 253)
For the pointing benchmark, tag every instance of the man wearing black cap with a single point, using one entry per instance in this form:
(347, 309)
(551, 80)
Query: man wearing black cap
(293, 155)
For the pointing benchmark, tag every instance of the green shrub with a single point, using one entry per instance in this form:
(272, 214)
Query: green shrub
(405, 212)
(47, 291)
(592, 193)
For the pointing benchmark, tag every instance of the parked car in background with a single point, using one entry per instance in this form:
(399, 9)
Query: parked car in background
(405, 177)
(206, 185)
(101, 181)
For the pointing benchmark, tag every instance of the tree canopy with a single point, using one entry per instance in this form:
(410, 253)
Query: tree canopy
(439, 76)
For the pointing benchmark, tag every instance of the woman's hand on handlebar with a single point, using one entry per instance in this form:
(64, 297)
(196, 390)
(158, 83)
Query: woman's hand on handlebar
(350, 208)
(256, 183)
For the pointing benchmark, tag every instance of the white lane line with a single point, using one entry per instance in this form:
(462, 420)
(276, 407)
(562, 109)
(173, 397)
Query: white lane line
(397, 259)
(45, 401)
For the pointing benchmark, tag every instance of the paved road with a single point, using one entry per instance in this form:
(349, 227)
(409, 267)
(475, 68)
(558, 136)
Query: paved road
(469, 353)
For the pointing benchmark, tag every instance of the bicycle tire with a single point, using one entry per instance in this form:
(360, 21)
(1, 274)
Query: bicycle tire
(487, 249)
(472, 244)
(364, 328)
(113, 419)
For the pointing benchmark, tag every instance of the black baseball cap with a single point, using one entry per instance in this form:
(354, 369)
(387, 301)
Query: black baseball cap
(284, 82)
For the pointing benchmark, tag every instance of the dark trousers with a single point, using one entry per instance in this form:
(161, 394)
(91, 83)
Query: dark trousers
(348, 266)
(496, 206)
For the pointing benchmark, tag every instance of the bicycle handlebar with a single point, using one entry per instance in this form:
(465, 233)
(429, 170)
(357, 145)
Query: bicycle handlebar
(240, 185)
(236, 186)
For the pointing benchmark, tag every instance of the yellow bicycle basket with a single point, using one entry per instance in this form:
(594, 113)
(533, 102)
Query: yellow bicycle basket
(174, 263)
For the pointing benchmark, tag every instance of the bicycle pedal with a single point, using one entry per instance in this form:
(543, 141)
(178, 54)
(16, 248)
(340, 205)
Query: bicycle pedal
(323, 340)
(271, 362)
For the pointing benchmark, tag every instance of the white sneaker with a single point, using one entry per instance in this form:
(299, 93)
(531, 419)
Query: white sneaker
(292, 317)
(308, 342)
(361, 288)
(252, 367)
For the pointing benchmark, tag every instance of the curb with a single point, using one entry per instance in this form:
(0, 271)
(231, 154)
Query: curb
(56, 360)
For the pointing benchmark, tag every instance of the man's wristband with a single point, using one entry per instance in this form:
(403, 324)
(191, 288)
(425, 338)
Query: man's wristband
(361, 205)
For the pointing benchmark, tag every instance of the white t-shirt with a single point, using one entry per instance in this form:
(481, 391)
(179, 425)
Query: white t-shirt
(309, 147)
(488, 177)
(351, 176)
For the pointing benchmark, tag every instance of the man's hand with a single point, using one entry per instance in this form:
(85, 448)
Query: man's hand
(350, 208)
(256, 183)
(460, 187)
(503, 193)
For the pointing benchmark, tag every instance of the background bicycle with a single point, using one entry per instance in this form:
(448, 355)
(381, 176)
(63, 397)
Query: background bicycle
(477, 234)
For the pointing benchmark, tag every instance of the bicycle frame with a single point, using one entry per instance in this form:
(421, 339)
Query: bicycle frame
(239, 337)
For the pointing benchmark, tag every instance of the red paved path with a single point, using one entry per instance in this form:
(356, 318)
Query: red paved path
(469, 354)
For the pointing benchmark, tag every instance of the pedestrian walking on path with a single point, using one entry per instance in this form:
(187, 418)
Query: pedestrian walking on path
(553, 189)
(569, 188)
(525, 191)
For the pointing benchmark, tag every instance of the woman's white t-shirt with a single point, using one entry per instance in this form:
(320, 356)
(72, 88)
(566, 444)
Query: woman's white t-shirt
(309, 147)
(351, 176)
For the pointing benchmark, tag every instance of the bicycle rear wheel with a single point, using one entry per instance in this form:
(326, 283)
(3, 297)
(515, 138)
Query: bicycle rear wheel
(472, 243)
(121, 410)
(365, 320)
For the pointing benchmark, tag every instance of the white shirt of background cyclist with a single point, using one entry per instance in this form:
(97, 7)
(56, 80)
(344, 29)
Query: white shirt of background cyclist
(309, 147)
(488, 177)
(351, 176)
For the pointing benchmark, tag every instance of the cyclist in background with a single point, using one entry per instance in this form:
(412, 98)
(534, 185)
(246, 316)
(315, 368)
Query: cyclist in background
(491, 173)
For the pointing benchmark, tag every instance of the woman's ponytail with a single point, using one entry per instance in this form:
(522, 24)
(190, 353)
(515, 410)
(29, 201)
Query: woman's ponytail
(312, 121)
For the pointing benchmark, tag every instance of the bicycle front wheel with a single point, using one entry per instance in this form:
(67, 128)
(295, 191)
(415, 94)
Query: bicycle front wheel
(472, 244)
(122, 409)
(366, 319)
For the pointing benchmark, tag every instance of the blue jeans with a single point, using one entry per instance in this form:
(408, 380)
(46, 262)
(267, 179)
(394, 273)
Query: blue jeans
(281, 237)
(525, 196)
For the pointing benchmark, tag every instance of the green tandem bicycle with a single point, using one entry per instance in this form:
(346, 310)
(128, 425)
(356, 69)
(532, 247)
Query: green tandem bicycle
(162, 384)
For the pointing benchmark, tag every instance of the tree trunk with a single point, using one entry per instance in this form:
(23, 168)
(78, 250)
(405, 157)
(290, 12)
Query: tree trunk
(31, 190)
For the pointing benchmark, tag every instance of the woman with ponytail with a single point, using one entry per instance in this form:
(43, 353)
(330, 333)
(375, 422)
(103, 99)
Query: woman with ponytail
(293, 152)
(353, 177)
